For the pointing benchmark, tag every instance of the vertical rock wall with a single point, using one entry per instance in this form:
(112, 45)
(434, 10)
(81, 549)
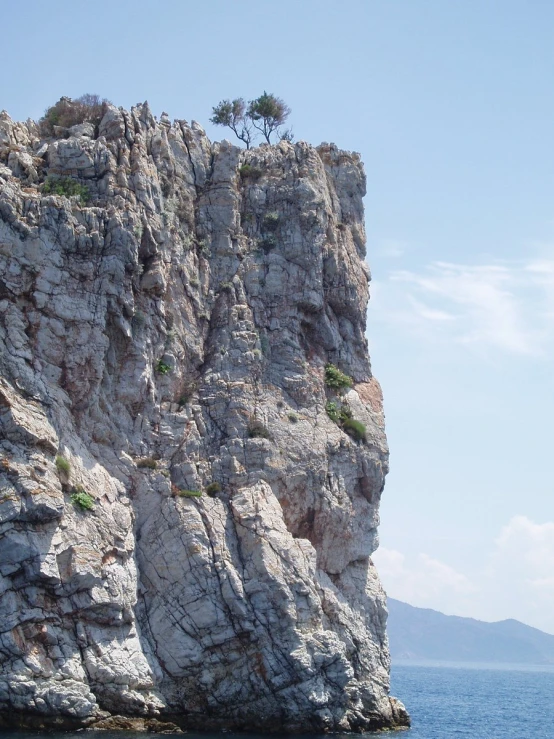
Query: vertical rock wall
(168, 339)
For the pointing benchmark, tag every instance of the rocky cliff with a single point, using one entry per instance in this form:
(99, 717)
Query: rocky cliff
(186, 525)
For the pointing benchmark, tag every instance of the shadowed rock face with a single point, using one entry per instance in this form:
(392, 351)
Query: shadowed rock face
(154, 337)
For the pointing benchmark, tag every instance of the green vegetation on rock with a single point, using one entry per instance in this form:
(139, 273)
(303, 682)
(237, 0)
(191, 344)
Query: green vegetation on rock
(257, 430)
(63, 466)
(247, 171)
(333, 411)
(81, 499)
(189, 493)
(354, 428)
(66, 187)
(67, 112)
(336, 379)
(271, 221)
(147, 462)
(163, 368)
(342, 416)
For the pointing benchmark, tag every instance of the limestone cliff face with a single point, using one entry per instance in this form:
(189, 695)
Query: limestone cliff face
(153, 338)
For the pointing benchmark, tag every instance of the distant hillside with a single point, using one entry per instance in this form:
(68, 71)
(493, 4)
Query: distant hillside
(421, 633)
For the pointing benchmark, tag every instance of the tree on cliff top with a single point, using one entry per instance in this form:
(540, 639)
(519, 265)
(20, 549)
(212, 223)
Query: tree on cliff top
(232, 113)
(266, 114)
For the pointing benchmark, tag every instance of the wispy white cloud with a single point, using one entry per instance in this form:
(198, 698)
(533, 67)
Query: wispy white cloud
(430, 314)
(391, 248)
(522, 566)
(516, 580)
(508, 306)
(422, 581)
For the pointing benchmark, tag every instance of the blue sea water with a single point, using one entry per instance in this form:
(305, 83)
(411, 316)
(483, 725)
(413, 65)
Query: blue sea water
(476, 701)
(445, 701)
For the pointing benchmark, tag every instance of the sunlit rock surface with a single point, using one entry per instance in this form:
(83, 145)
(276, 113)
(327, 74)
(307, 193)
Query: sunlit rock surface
(154, 336)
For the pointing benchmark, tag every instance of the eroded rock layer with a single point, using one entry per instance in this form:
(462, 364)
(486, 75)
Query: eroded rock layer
(164, 334)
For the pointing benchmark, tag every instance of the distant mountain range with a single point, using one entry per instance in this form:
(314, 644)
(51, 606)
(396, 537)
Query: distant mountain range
(421, 633)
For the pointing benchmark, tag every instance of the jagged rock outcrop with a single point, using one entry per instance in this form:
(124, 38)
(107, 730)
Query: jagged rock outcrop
(165, 338)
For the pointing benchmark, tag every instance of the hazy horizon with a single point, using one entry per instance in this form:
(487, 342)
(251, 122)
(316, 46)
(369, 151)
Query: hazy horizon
(471, 618)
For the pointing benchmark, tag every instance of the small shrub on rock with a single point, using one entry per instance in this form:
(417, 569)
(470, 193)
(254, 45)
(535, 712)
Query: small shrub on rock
(189, 493)
(354, 428)
(293, 418)
(257, 430)
(188, 390)
(182, 493)
(268, 242)
(163, 368)
(336, 379)
(63, 466)
(147, 462)
(342, 416)
(66, 187)
(81, 499)
(203, 247)
(271, 221)
(247, 171)
(213, 488)
(333, 411)
(67, 112)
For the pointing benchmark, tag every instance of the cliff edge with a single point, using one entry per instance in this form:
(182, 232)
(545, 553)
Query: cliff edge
(188, 499)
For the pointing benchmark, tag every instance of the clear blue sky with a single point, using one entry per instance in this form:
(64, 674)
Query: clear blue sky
(451, 107)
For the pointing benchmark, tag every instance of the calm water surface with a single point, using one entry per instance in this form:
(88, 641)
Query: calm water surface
(476, 701)
(446, 701)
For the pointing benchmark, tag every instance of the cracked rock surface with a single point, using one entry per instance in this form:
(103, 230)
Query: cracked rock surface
(162, 357)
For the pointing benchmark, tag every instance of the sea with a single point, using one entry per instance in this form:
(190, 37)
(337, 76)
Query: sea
(476, 700)
(445, 701)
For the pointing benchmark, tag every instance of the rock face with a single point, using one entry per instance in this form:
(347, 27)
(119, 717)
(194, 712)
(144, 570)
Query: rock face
(165, 339)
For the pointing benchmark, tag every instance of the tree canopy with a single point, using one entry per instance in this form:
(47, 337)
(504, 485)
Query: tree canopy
(265, 114)
(232, 113)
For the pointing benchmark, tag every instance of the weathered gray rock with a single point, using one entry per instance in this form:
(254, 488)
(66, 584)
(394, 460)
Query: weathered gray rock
(168, 334)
